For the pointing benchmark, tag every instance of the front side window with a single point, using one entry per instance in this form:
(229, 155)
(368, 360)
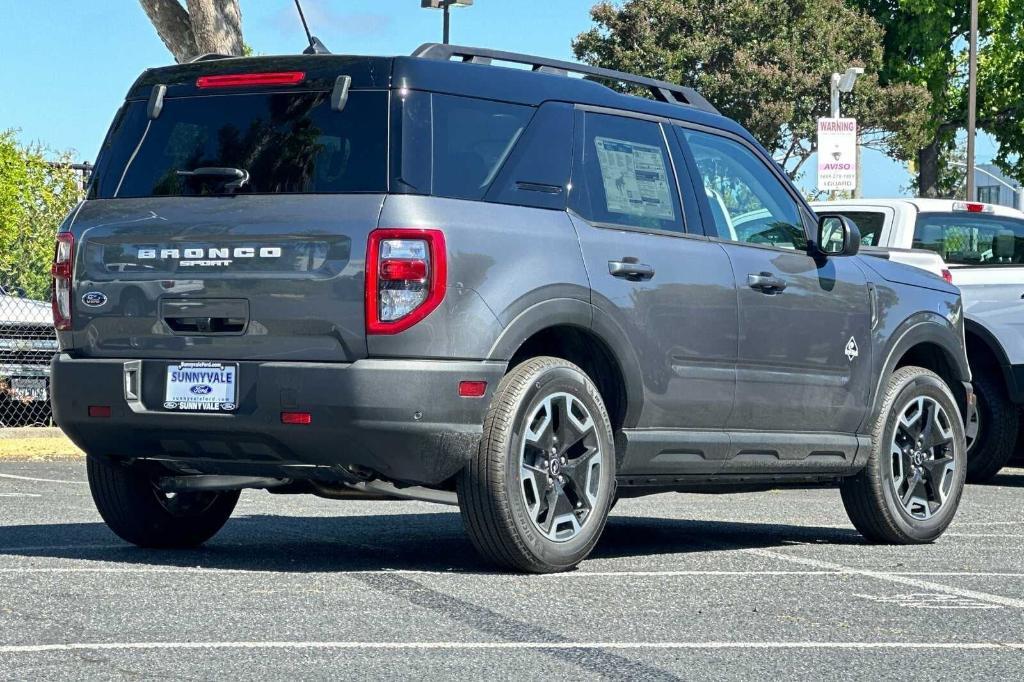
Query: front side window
(971, 238)
(624, 175)
(748, 202)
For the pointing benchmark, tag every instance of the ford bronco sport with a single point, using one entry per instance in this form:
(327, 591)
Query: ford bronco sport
(523, 292)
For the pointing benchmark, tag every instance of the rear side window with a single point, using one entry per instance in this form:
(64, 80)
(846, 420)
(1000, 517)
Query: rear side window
(286, 142)
(472, 140)
(869, 223)
(971, 238)
(624, 175)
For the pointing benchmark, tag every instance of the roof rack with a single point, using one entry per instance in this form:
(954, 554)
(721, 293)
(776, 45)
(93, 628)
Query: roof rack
(662, 91)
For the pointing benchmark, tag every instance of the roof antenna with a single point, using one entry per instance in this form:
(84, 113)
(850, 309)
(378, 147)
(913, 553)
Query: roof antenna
(315, 46)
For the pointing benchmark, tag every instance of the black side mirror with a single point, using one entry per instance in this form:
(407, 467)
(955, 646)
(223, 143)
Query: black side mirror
(837, 235)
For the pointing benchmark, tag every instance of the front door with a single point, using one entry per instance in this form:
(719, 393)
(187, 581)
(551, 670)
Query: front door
(804, 359)
(671, 293)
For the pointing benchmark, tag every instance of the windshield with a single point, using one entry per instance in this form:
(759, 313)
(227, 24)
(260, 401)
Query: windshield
(971, 239)
(285, 142)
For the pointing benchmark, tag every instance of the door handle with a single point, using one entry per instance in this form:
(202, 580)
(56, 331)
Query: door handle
(629, 268)
(766, 282)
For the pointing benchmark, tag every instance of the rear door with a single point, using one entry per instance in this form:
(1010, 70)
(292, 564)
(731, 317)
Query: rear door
(670, 291)
(172, 260)
(804, 361)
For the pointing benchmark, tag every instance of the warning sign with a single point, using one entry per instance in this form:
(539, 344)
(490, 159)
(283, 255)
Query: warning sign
(837, 154)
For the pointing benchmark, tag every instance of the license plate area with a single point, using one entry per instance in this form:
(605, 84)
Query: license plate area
(29, 390)
(201, 387)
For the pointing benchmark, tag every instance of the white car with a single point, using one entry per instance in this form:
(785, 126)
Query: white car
(981, 246)
(27, 344)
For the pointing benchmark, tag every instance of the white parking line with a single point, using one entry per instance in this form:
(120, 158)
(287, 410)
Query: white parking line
(985, 535)
(156, 646)
(41, 480)
(892, 578)
(19, 495)
(441, 574)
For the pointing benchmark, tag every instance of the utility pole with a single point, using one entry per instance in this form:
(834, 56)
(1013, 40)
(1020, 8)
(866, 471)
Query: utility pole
(972, 100)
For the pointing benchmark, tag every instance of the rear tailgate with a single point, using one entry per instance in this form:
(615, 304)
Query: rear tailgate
(229, 212)
(275, 277)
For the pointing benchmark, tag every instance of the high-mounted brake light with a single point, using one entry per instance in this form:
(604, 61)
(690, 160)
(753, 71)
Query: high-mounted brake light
(241, 80)
(62, 271)
(973, 207)
(406, 277)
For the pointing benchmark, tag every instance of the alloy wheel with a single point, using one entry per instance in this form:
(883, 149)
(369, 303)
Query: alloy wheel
(560, 466)
(922, 464)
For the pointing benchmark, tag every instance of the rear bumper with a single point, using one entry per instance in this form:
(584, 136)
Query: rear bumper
(400, 418)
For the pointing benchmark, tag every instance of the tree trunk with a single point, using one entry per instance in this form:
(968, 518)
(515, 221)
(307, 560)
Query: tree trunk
(928, 170)
(217, 26)
(174, 27)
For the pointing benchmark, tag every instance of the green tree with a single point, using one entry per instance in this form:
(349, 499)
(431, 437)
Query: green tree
(765, 63)
(34, 199)
(926, 45)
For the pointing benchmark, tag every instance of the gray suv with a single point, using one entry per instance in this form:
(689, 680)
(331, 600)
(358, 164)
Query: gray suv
(525, 293)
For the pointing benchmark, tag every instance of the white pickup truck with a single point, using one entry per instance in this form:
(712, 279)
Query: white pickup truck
(980, 248)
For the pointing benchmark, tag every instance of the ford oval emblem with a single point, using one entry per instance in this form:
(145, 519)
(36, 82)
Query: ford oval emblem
(94, 299)
(202, 389)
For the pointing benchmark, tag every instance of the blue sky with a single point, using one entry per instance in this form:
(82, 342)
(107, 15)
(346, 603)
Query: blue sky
(68, 63)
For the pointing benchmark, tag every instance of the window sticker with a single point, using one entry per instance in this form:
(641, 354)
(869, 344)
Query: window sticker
(636, 181)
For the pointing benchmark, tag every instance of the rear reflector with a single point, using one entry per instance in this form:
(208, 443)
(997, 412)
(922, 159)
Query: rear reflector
(947, 275)
(472, 389)
(301, 418)
(241, 80)
(100, 411)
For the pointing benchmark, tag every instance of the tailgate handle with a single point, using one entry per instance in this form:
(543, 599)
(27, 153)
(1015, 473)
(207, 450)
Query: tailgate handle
(205, 316)
(206, 325)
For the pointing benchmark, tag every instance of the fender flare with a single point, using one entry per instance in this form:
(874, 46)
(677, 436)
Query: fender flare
(574, 312)
(917, 329)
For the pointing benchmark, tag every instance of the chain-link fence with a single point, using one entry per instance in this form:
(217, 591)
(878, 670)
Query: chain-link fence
(27, 343)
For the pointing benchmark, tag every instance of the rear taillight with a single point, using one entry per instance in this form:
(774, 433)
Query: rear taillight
(62, 271)
(406, 275)
(947, 275)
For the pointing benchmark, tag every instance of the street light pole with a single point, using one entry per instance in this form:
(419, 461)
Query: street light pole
(445, 6)
(972, 100)
(447, 20)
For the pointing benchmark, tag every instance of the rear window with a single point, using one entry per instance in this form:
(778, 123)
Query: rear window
(286, 142)
(869, 224)
(971, 238)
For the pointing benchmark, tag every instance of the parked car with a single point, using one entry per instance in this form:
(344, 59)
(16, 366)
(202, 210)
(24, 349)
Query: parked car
(441, 278)
(981, 246)
(27, 344)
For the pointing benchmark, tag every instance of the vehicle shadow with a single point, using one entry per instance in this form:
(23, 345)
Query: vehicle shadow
(1014, 479)
(433, 542)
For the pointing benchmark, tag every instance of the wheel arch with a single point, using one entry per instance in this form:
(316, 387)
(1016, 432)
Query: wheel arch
(575, 331)
(931, 344)
(985, 353)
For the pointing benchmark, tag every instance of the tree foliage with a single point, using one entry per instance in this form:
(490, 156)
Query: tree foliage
(926, 45)
(765, 63)
(199, 27)
(34, 199)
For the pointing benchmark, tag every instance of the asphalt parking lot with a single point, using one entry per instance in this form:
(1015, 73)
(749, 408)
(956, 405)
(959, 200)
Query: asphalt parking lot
(681, 586)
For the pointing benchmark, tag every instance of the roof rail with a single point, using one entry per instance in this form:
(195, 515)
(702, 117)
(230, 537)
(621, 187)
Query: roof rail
(661, 90)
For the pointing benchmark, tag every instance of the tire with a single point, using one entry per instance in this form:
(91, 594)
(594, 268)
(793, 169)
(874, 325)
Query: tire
(999, 421)
(132, 506)
(872, 497)
(509, 516)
